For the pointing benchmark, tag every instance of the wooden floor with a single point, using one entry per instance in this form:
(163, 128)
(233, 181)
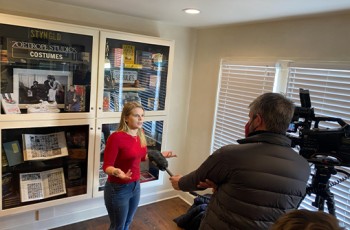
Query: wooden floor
(156, 216)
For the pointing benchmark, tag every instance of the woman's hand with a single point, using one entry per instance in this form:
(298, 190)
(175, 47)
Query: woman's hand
(120, 174)
(168, 154)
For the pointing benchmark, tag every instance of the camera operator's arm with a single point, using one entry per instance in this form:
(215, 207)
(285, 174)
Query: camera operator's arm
(210, 169)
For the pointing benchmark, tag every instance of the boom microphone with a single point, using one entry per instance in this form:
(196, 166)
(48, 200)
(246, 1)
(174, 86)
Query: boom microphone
(160, 162)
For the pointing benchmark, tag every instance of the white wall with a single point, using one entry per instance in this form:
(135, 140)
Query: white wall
(184, 49)
(317, 38)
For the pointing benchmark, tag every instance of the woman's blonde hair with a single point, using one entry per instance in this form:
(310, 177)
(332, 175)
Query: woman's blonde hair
(123, 126)
(306, 220)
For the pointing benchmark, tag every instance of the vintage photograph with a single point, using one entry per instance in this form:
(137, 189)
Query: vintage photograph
(32, 86)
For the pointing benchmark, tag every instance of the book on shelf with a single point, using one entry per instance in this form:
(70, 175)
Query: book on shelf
(133, 66)
(4, 161)
(42, 185)
(44, 146)
(129, 54)
(146, 176)
(13, 152)
(11, 200)
(9, 105)
(117, 57)
(7, 184)
(144, 58)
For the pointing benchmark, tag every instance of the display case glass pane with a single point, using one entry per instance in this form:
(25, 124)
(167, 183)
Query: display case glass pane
(44, 70)
(153, 131)
(135, 71)
(41, 164)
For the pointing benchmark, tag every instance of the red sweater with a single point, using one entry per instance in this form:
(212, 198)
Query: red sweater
(125, 152)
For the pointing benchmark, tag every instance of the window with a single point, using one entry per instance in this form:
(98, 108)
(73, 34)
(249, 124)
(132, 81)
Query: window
(239, 84)
(329, 86)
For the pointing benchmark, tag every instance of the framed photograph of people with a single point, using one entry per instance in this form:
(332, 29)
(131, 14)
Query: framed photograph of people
(33, 86)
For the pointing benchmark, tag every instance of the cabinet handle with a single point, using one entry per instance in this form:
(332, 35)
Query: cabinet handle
(92, 108)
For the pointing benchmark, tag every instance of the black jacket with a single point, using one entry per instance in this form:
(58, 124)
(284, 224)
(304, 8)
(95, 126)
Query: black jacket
(259, 180)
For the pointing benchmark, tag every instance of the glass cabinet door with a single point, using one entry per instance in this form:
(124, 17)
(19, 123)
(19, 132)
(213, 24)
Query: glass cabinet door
(133, 70)
(45, 71)
(45, 163)
(154, 133)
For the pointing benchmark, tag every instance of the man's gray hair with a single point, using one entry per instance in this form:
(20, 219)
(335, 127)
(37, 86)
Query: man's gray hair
(275, 109)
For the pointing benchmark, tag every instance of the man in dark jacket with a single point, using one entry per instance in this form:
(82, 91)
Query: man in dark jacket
(258, 180)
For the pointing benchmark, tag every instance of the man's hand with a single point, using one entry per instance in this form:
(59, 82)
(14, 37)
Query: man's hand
(175, 181)
(208, 184)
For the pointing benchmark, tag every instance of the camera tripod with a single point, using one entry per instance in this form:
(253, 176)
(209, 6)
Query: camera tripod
(320, 186)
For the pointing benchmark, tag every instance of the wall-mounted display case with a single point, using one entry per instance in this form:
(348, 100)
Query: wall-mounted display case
(46, 69)
(45, 164)
(134, 68)
(154, 128)
(48, 118)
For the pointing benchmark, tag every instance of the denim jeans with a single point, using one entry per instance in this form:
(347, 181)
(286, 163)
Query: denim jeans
(121, 201)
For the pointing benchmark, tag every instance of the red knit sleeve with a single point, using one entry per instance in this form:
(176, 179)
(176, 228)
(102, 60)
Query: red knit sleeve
(111, 151)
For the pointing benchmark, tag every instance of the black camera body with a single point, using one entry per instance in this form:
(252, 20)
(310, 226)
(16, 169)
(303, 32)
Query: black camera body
(322, 146)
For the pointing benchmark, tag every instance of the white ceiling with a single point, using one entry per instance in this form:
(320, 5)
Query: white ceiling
(213, 12)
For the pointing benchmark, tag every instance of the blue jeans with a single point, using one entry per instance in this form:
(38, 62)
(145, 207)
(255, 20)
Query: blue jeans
(121, 201)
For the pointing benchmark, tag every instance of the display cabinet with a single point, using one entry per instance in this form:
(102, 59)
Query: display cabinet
(154, 128)
(45, 164)
(46, 68)
(48, 83)
(133, 68)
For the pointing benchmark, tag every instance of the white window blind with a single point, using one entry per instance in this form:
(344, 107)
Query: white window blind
(240, 84)
(330, 97)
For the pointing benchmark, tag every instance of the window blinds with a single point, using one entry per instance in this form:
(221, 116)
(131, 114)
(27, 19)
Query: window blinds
(240, 84)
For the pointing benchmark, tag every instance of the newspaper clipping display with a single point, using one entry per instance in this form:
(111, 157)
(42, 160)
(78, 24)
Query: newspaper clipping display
(44, 146)
(41, 185)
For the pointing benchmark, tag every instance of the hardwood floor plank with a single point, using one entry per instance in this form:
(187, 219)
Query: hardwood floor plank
(156, 216)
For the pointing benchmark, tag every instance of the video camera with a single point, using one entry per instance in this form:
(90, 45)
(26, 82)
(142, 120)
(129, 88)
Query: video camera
(321, 146)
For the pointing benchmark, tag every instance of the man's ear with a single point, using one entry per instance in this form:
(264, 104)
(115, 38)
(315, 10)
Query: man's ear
(259, 122)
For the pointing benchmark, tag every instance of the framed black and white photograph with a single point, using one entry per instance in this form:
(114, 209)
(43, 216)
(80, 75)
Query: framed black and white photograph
(33, 86)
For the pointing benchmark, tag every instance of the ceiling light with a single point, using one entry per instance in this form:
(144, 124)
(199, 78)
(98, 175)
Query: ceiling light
(191, 11)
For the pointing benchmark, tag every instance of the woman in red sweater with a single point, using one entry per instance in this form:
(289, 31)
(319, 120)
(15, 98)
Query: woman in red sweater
(125, 149)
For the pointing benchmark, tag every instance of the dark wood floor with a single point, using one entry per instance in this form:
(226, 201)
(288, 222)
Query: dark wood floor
(156, 216)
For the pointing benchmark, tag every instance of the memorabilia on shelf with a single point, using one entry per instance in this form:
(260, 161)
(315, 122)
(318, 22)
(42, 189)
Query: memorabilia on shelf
(102, 176)
(13, 153)
(11, 200)
(144, 58)
(43, 107)
(74, 171)
(4, 161)
(75, 98)
(117, 57)
(106, 101)
(40, 89)
(41, 185)
(9, 104)
(146, 176)
(131, 96)
(126, 77)
(129, 54)
(76, 190)
(7, 184)
(44, 146)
